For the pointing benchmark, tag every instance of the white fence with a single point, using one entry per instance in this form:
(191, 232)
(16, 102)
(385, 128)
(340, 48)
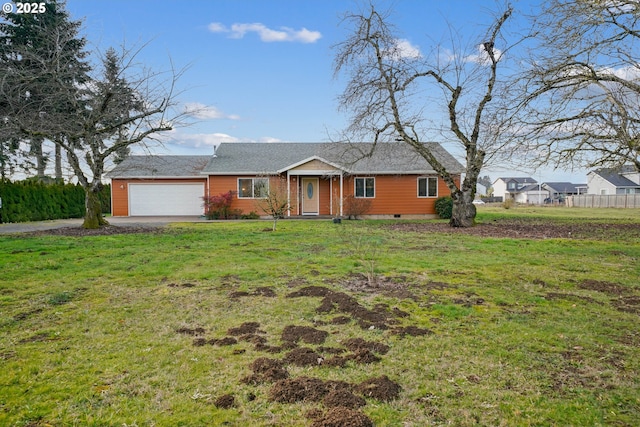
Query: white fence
(604, 201)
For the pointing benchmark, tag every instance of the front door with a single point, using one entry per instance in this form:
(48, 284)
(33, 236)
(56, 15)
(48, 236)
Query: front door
(310, 199)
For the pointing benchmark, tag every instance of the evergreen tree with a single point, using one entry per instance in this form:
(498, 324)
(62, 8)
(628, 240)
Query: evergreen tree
(42, 61)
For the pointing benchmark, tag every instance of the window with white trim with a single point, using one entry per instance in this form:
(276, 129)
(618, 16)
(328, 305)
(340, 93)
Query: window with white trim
(365, 187)
(428, 186)
(253, 188)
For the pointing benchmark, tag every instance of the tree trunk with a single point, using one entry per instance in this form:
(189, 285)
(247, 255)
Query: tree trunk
(463, 213)
(41, 160)
(93, 209)
(58, 163)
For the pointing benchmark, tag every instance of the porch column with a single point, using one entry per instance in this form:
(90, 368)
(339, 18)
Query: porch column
(331, 195)
(288, 194)
(341, 195)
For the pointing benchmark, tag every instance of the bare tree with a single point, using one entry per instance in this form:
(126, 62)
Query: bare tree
(582, 90)
(274, 201)
(386, 84)
(121, 105)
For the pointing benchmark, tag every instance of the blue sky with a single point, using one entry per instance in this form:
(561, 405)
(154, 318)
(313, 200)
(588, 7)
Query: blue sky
(263, 68)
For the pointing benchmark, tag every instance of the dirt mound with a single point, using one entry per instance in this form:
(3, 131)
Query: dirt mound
(604, 287)
(265, 292)
(628, 304)
(304, 389)
(362, 355)
(310, 291)
(245, 328)
(381, 388)
(355, 344)
(303, 357)
(413, 331)
(181, 285)
(223, 341)
(345, 303)
(191, 331)
(266, 370)
(259, 292)
(342, 417)
(307, 334)
(225, 401)
(343, 398)
(252, 338)
(340, 320)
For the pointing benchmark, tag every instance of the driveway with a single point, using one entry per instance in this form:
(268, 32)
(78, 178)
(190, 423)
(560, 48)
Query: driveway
(138, 221)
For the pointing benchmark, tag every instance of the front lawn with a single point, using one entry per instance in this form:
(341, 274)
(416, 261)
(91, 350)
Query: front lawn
(394, 323)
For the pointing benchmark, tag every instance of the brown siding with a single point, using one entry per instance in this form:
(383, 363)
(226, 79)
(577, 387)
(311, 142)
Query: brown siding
(394, 194)
(119, 197)
(325, 196)
(120, 191)
(398, 194)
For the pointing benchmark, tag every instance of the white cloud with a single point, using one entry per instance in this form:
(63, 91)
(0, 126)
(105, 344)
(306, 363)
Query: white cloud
(406, 50)
(200, 140)
(201, 111)
(402, 49)
(176, 140)
(283, 34)
(482, 57)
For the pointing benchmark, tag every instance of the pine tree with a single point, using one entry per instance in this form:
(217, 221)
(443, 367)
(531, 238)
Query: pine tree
(42, 59)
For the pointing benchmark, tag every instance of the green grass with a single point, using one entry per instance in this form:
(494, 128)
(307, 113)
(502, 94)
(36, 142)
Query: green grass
(525, 332)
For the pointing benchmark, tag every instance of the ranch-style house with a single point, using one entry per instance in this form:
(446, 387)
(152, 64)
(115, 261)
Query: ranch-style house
(316, 179)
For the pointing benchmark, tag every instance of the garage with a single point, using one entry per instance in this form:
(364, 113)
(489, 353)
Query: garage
(166, 199)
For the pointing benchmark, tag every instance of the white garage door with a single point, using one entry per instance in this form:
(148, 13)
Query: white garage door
(166, 199)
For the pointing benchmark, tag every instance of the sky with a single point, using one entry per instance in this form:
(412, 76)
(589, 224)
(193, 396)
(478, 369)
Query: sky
(262, 70)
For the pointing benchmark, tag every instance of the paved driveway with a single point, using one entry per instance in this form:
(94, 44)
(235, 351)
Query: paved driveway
(138, 221)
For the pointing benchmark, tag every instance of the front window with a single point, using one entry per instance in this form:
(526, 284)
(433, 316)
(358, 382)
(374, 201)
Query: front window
(428, 186)
(365, 187)
(253, 188)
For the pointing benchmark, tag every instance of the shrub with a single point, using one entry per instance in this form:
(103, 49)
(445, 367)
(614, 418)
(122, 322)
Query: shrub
(444, 207)
(508, 204)
(355, 206)
(218, 207)
(33, 200)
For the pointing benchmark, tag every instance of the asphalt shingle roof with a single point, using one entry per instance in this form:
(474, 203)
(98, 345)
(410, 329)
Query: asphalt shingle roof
(564, 187)
(264, 158)
(159, 167)
(614, 177)
(269, 158)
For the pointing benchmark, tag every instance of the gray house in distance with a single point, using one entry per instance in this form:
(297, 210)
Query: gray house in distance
(623, 180)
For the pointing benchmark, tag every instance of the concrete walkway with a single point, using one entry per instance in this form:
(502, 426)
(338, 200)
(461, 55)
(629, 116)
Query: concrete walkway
(139, 221)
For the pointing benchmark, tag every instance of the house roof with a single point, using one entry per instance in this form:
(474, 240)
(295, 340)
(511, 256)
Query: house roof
(519, 180)
(270, 158)
(159, 167)
(527, 188)
(613, 176)
(564, 187)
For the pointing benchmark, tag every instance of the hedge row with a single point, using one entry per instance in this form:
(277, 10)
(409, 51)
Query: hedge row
(24, 201)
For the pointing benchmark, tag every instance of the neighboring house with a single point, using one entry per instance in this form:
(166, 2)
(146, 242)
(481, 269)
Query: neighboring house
(481, 190)
(557, 192)
(317, 179)
(624, 180)
(512, 188)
